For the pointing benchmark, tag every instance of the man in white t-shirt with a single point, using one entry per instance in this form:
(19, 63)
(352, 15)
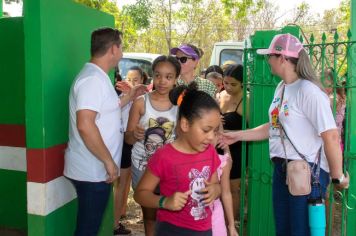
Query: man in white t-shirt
(95, 131)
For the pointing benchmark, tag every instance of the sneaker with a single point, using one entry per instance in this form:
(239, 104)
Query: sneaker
(121, 230)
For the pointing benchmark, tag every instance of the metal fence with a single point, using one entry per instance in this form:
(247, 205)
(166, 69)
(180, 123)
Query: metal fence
(332, 62)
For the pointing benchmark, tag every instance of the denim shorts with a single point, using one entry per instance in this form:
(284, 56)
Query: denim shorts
(136, 176)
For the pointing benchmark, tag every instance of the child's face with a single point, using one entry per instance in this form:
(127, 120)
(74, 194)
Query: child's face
(203, 130)
(134, 77)
(231, 85)
(164, 77)
(217, 82)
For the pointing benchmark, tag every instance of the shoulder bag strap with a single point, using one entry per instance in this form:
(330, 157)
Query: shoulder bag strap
(283, 132)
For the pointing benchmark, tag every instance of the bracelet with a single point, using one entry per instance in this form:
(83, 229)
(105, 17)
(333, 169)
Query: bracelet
(160, 202)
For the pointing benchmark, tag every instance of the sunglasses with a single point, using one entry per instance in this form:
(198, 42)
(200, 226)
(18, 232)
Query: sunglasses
(184, 59)
(268, 56)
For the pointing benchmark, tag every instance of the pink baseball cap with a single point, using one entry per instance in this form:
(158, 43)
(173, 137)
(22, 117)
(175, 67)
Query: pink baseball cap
(284, 44)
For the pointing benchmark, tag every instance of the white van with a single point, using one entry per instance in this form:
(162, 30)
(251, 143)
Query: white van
(143, 60)
(226, 51)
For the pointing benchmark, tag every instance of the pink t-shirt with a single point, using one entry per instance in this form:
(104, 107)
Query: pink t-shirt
(180, 172)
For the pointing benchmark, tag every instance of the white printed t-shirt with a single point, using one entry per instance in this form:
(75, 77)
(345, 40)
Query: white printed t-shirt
(93, 90)
(305, 114)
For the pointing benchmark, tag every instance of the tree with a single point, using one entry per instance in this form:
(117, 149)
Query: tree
(198, 22)
(140, 12)
(122, 21)
(241, 12)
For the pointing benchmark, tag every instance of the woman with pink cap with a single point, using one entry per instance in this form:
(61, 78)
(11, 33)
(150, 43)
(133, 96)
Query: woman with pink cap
(188, 56)
(301, 126)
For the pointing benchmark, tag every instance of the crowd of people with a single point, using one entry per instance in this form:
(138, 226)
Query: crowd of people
(177, 143)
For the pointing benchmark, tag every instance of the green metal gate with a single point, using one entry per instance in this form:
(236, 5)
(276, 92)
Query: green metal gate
(259, 85)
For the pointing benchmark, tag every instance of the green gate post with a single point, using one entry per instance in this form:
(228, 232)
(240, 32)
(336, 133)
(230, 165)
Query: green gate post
(351, 201)
(1, 8)
(261, 85)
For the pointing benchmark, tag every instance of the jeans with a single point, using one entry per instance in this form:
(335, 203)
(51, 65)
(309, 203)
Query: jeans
(92, 201)
(291, 212)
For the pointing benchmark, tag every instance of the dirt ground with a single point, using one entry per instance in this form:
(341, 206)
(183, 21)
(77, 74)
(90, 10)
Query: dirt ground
(133, 219)
(134, 222)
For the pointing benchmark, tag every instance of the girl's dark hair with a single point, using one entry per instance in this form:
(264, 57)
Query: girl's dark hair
(142, 73)
(197, 50)
(214, 68)
(175, 63)
(193, 103)
(235, 71)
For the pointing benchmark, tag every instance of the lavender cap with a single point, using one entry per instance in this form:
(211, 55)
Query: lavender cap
(186, 50)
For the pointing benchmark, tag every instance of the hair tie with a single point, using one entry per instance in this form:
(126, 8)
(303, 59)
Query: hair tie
(180, 98)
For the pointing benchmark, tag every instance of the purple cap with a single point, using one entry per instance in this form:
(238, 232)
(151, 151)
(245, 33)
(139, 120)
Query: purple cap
(186, 50)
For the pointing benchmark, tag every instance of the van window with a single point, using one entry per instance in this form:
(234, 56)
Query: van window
(231, 54)
(126, 63)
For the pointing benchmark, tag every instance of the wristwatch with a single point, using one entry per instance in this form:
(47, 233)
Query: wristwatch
(338, 180)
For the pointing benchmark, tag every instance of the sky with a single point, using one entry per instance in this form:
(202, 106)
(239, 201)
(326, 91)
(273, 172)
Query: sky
(285, 6)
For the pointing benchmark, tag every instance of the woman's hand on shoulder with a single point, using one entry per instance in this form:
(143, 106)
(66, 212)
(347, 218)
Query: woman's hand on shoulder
(177, 201)
(228, 138)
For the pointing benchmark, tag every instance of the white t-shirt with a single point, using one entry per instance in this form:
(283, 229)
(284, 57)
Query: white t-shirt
(159, 128)
(305, 114)
(93, 90)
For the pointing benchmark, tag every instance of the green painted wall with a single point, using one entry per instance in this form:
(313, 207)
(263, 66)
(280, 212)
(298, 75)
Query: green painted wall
(12, 72)
(57, 44)
(62, 221)
(13, 206)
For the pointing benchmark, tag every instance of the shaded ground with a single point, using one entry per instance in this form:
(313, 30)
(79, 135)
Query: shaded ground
(133, 219)
(134, 222)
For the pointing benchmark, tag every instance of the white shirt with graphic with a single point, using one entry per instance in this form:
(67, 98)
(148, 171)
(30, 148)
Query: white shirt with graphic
(305, 114)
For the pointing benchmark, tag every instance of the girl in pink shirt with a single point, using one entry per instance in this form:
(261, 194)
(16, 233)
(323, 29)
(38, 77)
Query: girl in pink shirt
(185, 169)
(224, 204)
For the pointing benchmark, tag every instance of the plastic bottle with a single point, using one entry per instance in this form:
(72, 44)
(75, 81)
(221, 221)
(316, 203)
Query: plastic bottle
(317, 219)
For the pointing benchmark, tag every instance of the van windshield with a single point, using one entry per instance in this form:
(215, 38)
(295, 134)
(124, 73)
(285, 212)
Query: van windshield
(231, 55)
(126, 63)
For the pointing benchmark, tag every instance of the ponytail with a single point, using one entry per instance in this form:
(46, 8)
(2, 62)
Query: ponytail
(192, 101)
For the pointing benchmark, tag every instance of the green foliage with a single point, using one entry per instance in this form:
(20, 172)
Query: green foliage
(140, 12)
(155, 26)
(122, 22)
